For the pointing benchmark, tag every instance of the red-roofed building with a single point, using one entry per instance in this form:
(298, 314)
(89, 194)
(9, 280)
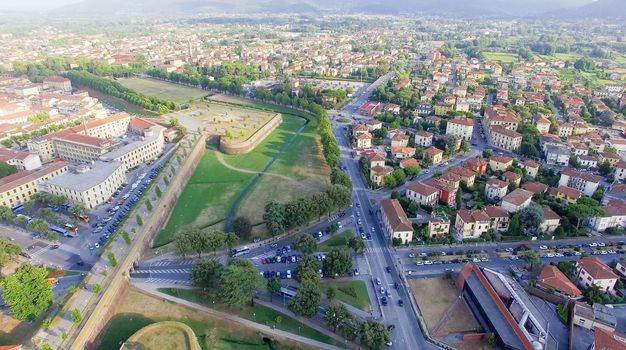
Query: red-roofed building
(422, 193)
(583, 181)
(477, 165)
(552, 278)
(447, 192)
(593, 271)
(370, 108)
(567, 194)
(605, 340)
(395, 222)
(405, 163)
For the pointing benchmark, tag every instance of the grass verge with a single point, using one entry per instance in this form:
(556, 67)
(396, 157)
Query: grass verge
(351, 292)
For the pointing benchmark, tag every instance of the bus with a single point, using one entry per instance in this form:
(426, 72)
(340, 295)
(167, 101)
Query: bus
(26, 217)
(71, 228)
(239, 251)
(18, 208)
(60, 231)
(288, 292)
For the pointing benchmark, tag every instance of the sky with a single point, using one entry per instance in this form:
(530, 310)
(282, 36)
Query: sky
(29, 5)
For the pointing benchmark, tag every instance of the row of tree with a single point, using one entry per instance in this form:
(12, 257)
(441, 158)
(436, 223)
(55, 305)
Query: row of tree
(196, 241)
(280, 217)
(113, 88)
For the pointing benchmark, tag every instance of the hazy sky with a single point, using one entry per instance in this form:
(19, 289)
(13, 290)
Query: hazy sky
(33, 4)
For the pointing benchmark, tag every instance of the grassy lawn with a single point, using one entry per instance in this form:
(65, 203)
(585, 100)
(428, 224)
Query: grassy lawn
(137, 310)
(339, 240)
(162, 89)
(502, 57)
(166, 337)
(258, 313)
(206, 198)
(351, 292)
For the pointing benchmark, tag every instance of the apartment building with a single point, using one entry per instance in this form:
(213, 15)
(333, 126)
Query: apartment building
(496, 189)
(20, 187)
(58, 82)
(614, 216)
(395, 222)
(557, 155)
(543, 124)
(364, 140)
(146, 145)
(504, 138)
(433, 155)
(500, 116)
(422, 193)
(551, 220)
(583, 181)
(500, 163)
(620, 171)
(423, 138)
(114, 125)
(378, 174)
(593, 271)
(81, 148)
(88, 185)
(516, 200)
(438, 225)
(462, 128)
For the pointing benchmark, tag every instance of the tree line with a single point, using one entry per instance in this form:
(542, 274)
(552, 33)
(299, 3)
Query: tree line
(113, 88)
(198, 241)
(280, 217)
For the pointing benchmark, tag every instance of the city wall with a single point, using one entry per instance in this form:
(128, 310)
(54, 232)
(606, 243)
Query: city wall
(249, 144)
(88, 336)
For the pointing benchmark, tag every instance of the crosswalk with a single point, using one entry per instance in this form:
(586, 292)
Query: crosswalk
(164, 281)
(144, 270)
(39, 252)
(170, 262)
(375, 250)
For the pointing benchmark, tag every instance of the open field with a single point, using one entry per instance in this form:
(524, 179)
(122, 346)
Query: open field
(258, 313)
(119, 103)
(163, 335)
(434, 297)
(350, 292)
(138, 310)
(339, 240)
(162, 89)
(502, 57)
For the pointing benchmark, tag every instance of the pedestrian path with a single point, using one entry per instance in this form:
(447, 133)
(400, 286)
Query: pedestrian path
(144, 270)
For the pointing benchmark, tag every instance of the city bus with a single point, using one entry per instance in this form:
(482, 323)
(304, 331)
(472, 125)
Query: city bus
(18, 208)
(240, 251)
(60, 231)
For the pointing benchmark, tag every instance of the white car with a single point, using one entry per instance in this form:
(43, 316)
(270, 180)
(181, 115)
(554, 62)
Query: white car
(419, 263)
(288, 273)
(558, 255)
(578, 253)
(475, 260)
(543, 247)
(549, 255)
(593, 244)
(601, 244)
(378, 281)
(428, 262)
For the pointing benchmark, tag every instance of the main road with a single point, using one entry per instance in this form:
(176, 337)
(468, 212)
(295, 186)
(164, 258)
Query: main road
(407, 333)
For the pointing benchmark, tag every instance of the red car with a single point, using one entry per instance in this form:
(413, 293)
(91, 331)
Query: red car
(121, 201)
(263, 261)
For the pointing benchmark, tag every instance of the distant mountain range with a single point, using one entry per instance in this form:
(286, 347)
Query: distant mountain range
(454, 8)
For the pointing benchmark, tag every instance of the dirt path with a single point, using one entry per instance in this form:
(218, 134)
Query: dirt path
(220, 158)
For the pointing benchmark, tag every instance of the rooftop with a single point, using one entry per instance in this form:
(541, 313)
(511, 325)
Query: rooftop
(552, 277)
(98, 172)
(518, 197)
(596, 268)
(396, 215)
(25, 176)
(421, 188)
(571, 172)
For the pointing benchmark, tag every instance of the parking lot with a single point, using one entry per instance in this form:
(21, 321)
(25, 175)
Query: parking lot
(80, 239)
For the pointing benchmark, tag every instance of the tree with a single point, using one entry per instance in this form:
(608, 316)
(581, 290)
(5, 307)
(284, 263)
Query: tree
(27, 292)
(390, 181)
(331, 292)
(274, 218)
(515, 225)
(230, 240)
(206, 274)
(273, 286)
(585, 64)
(307, 300)
(215, 240)
(238, 282)
(6, 213)
(335, 316)
(338, 262)
(7, 251)
(96, 288)
(242, 227)
(594, 294)
(76, 316)
(531, 218)
(6, 169)
(338, 177)
(585, 208)
(374, 335)
(357, 244)
(412, 170)
(305, 244)
(605, 168)
(78, 209)
(38, 226)
(192, 241)
(308, 269)
(532, 257)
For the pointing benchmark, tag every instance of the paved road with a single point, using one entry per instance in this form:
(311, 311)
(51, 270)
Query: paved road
(407, 334)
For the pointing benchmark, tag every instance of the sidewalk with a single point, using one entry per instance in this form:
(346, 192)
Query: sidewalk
(152, 289)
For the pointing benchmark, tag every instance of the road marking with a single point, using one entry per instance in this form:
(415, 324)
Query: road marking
(143, 270)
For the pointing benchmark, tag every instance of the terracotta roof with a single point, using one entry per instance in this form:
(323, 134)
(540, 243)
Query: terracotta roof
(496, 182)
(376, 158)
(141, 123)
(518, 197)
(552, 277)
(621, 164)
(605, 340)
(614, 208)
(531, 164)
(55, 79)
(549, 214)
(501, 159)
(535, 187)
(360, 127)
(400, 137)
(432, 151)
(364, 136)
(424, 134)
(571, 172)
(421, 188)
(381, 170)
(462, 121)
(473, 215)
(511, 176)
(403, 150)
(500, 114)
(506, 132)
(396, 216)
(567, 191)
(98, 122)
(86, 140)
(408, 162)
(496, 212)
(596, 268)
(25, 176)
